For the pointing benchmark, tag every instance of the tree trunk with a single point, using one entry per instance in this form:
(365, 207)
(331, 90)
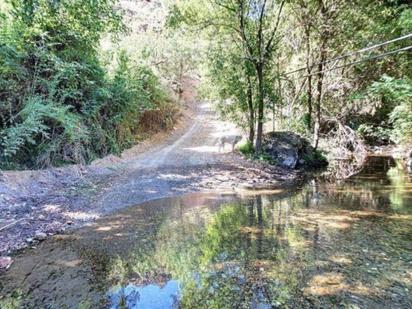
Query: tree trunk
(309, 70)
(259, 70)
(323, 54)
(260, 225)
(273, 117)
(180, 90)
(318, 113)
(251, 214)
(251, 111)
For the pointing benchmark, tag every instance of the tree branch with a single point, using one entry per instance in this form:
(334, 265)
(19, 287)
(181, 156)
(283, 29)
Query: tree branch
(269, 44)
(242, 22)
(260, 31)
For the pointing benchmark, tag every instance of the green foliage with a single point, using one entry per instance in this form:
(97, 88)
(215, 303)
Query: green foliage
(315, 159)
(229, 78)
(265, 157)
(374, 134)
(84, 305)
(13, 301)
(298, 124)
(392, 120)
(58, 101)
(240, 52)
(405, 21)
(45, 128)
(247, 148)
(316, 30)
(133, 90)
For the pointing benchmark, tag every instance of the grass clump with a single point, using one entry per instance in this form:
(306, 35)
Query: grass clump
(247, 149)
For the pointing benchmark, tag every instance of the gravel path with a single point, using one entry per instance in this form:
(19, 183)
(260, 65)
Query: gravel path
(37, 204)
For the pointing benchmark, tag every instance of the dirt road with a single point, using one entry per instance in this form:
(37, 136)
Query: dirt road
(197, 146)
(36, 204)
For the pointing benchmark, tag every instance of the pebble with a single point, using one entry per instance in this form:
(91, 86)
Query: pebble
(40, 236)
(5, 262)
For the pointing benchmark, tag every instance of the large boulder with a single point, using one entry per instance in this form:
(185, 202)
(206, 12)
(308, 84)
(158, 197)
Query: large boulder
(290, 150)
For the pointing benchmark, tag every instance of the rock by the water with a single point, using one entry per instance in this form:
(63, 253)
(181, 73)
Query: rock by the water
(5, 262)
(40, 236)
(290, 150)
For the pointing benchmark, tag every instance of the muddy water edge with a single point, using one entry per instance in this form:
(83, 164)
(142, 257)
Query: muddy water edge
(341, 245)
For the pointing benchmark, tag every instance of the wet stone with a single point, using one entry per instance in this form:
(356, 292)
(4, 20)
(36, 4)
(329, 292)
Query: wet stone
(40, 236)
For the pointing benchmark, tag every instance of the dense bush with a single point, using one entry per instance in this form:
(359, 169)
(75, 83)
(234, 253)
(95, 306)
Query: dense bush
(392, 119)
(58, 102)
(246, 148)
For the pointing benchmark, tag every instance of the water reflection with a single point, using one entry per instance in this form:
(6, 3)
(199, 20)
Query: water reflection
(149, 296)
(329, 245)
(382, 185)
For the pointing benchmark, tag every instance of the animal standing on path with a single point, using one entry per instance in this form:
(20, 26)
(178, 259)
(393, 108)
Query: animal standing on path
(230, 139)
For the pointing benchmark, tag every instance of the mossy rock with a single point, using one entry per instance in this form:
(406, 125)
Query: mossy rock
(291, 150)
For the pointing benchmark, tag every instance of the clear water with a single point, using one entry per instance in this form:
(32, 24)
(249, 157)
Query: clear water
(145, 296)
(340, 245)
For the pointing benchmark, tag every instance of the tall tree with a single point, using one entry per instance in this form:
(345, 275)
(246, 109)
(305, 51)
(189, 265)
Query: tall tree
(232, 79)
(253, 25)
(258, 23)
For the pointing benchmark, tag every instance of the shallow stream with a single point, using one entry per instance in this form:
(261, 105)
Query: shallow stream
(340, 245)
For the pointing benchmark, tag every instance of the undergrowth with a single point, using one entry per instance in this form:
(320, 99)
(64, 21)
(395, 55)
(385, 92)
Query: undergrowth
(248, 150)
(59, 102)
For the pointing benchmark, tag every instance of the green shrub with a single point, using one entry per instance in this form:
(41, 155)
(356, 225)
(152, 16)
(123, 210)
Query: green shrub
(315, 159)
(375, 134)
(396, 96)
(246, 148)
(58, 102)
(44, 128)
(265, 157)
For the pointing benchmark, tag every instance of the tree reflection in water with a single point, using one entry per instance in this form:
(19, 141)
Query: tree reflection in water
(240, 257)
(317, 247)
